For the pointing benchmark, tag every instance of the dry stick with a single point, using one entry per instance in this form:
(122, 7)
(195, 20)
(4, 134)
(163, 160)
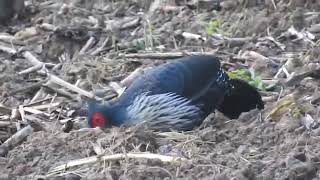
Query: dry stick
(94, 159)
(89, 43)
(60, 91)
(277, 43)
(33, 60)
(56, 67)
(176, 136)
(274, 4)
(8, 38)
(69, 86)
(299, 77)
(188, 35)
(18, 126)
(5, 110)
(51, 102)
(22, 113)
(35, 111)
(15, 140)
(278, 73)
(50, 65)
(164, 55)
(44, 106)
(77, 82)
(137, 72)
(26, 131)
(38, 95)
(63, 121)
(110, 96)
(52, 78)
(124, 23)
(47, 27)
(284, 70)
(254, 56)
(5, 123)
(315, 99)
(8, 50)
(120, 87)
(27, 88)
(232, 42)
(100, 49)
(130, 24)
(57, 80)
(117, 87)
(31, 69)
(4, 117)
(14, 113)
(38, 102)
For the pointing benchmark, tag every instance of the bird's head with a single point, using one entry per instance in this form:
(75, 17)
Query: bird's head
(98, 115)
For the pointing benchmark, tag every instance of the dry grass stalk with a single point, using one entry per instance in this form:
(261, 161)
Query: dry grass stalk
(5, 123)
(37, 65)
(5, 110)
(188, 35)
(44, 106)
(72, 87)
(117, 87)
(89, 44)
(35, 111)
(115, 157)
(129, 79)
(15, 140)
(170, 55)
(100, 49)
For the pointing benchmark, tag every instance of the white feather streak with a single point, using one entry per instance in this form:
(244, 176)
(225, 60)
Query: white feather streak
(163, 110)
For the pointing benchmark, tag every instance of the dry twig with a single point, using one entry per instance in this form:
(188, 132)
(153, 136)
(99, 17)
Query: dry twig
(294, 79)
(171, 55)
(115, 157)
(15, 140)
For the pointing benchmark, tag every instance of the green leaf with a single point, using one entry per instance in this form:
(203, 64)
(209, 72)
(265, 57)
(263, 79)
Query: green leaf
(213, 26)
(248, 76)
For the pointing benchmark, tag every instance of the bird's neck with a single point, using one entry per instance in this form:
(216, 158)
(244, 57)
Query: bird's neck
(118, 114)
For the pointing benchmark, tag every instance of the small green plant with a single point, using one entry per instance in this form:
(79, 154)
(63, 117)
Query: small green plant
(139, 44)
(248, 76)
(213, 26)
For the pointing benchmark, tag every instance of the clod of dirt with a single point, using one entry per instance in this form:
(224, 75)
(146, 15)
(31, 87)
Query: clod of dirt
(8, 8)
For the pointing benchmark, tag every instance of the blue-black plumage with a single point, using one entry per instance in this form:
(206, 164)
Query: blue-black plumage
(177, 95)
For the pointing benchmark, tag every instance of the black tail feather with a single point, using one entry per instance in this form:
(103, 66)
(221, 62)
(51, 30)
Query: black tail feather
(242, 98)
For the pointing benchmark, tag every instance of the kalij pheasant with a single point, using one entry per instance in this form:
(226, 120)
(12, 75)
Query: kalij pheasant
(177, 95)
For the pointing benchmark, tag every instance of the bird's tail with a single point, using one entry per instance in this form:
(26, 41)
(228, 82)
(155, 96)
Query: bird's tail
(242, 98)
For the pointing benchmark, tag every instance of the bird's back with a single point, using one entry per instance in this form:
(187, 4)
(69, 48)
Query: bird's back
(186, 77)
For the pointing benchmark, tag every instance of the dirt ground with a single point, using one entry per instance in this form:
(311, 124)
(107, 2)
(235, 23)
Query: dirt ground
(93, 43)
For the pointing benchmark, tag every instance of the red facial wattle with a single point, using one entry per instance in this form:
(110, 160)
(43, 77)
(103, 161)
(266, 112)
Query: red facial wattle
(98, 120)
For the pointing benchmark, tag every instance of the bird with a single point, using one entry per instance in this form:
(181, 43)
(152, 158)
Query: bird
(177, 95)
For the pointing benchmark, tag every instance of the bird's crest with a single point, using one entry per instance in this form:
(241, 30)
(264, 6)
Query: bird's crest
(162, 111)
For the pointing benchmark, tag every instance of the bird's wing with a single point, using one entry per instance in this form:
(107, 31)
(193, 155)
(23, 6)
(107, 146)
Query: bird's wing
(189, 77)
(200, 73)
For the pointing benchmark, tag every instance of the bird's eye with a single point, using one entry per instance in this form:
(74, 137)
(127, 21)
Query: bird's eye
(98, 120)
